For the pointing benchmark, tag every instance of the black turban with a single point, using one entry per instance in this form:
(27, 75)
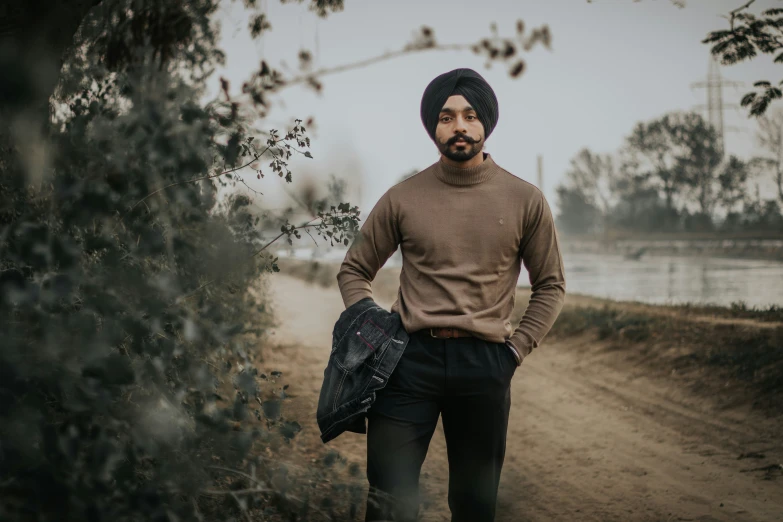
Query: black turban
(465, 82)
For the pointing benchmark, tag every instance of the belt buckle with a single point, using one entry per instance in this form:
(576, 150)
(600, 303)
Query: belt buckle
(444, 337)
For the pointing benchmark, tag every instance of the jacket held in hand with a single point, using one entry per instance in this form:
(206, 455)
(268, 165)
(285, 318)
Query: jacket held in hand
(367, 343)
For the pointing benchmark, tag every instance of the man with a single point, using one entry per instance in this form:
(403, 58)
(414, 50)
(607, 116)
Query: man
(464, 225)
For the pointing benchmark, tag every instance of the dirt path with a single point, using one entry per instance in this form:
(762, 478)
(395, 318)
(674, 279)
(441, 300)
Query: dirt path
(586, 442)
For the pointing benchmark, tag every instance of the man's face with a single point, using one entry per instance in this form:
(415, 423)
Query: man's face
(459, 134)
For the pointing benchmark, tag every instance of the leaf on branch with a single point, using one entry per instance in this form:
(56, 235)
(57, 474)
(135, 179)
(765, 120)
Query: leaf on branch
(760, 106)
(258, 98)
(271, 409)
(307, 154)
(224, 86)
(517, 69)
(258, 25)
(305, 58)
(720, 47)
(714, 36)
(546, 37)
(313, 82)
(290, 429)
(232, 150)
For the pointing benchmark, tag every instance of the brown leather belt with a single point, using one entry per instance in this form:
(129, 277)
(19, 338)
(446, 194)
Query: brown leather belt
(449, 333)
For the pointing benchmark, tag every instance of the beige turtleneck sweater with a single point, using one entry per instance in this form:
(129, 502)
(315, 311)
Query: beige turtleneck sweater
(464, 234)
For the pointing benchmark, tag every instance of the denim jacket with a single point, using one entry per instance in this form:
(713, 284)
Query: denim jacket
(367, 343)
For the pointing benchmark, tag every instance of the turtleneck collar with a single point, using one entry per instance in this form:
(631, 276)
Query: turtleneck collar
(471, 176)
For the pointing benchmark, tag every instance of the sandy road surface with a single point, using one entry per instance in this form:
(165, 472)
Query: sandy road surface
(587, 440)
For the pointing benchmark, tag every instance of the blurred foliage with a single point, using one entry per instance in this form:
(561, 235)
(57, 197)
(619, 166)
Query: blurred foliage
(747, 36)
(132, 306)
(129, 289)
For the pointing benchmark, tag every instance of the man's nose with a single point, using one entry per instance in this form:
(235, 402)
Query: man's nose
(460, 127)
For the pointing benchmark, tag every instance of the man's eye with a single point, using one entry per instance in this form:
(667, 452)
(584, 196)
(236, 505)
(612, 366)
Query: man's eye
(471, 117)
(445, 119)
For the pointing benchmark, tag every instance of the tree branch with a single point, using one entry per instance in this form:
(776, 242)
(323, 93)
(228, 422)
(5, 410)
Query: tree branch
(324, 71)
(734, 13)
(311, 237)
(281, 234)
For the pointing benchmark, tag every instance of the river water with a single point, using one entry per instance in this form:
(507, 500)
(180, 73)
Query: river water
(676, 279)
(653, 279)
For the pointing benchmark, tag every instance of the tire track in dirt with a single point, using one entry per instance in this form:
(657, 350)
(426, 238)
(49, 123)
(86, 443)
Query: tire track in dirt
(597, 451)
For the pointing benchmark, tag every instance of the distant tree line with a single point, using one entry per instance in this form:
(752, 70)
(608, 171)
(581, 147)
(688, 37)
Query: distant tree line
(670, 176)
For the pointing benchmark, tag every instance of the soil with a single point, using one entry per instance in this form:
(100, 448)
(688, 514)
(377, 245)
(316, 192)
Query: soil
(592, 436)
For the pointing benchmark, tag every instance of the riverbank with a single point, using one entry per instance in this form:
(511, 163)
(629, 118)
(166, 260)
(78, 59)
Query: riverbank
(737, 247)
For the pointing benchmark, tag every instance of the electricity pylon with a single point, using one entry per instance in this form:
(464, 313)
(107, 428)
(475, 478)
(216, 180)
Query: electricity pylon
(715, 105)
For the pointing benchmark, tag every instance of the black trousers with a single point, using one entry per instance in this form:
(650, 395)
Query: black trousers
(465, 379)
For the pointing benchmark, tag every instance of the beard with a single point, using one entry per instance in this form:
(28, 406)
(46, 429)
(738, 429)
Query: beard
(463, 152)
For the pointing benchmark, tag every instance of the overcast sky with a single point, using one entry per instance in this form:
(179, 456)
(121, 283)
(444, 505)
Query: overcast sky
(613, 63)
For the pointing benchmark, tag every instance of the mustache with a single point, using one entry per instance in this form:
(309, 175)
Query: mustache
(467, 139)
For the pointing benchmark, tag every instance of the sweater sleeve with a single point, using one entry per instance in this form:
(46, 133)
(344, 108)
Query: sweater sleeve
(540, 253)
(377, 240)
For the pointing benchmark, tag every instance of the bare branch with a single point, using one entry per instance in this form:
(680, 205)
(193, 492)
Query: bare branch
(371, 61)
(250, 188)
(311, 237)
(281, 234)
(736, 11)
